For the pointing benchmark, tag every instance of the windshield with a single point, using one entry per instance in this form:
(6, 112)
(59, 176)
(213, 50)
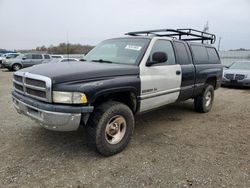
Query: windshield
(122, 51)
(240, 65)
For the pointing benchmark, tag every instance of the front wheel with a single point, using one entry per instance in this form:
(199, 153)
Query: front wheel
(204, 102)
(110, 127)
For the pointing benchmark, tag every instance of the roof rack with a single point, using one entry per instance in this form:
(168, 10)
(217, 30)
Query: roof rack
(182, 34)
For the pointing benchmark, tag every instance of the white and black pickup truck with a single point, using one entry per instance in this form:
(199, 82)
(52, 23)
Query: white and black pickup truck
(120, 78)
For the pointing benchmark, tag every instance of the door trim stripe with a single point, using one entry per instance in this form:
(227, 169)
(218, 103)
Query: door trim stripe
(159, 94)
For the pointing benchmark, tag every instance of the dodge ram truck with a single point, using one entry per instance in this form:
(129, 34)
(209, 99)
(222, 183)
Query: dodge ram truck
(118, 79)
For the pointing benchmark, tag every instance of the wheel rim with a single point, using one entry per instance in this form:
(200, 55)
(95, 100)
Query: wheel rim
(115, 129)
(16, 67)
(208, 98)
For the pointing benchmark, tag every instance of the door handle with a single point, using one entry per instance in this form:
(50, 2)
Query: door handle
(178, 72)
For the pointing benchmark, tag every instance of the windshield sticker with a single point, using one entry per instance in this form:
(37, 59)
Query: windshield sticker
(133, 47)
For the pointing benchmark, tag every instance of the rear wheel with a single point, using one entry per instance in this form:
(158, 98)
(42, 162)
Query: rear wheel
(204, 102)
(110, 127)
(16, 67)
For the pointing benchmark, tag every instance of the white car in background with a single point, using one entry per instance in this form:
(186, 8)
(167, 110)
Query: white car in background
(237, 74)
(6, 56)
(57, 56)
(59, 60)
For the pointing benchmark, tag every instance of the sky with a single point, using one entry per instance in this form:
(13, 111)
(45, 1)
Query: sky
(26, 24)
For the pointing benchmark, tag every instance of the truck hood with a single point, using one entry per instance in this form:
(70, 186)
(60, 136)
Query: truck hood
(74, 71)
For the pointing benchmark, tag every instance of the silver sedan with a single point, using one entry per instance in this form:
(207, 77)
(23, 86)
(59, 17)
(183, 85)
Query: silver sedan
(237, 74)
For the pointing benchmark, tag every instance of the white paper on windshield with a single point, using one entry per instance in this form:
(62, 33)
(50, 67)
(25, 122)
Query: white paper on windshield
(133, 47)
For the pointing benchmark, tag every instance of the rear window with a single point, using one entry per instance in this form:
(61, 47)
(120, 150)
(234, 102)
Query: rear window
(213, 56)
(200, 54)
(46, 57)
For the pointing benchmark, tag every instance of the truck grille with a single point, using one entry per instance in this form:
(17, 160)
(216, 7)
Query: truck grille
(32, 85)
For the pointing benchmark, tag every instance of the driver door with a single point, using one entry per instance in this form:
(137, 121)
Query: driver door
(160, 83)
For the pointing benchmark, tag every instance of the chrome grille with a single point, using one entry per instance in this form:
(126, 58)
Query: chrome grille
(33, 85)
(229, 76)
(18, 78)
(18, 87)
(34, 82)
(239, 77)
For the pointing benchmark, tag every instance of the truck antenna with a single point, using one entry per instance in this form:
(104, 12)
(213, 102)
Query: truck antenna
(68, 46)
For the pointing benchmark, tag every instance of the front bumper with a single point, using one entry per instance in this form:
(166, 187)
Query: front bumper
(244, 82)
(6, 65)
(50, 116)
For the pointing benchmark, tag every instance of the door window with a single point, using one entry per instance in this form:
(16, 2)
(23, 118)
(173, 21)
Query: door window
(28, 56)
(164, 46)
(37, 56)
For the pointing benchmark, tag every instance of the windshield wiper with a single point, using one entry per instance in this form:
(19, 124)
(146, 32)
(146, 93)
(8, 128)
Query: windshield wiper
(101, 61)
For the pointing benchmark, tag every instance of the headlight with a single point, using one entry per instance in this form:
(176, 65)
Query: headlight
(69, 97)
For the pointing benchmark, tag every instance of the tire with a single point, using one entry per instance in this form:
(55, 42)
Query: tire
(204, 102)
(16, 67)
(110, 127)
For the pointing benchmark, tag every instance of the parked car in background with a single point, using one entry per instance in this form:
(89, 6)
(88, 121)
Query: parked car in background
(57, 60)
(26, 60)
(237, 74)
(6, 56)
(56, 56)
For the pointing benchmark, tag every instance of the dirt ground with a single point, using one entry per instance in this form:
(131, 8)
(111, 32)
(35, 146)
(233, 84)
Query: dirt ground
(171, 147)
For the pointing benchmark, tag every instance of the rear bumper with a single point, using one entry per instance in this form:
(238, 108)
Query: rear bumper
(50, 116)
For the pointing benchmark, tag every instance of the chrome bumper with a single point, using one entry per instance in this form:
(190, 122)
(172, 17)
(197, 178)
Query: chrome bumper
(244, 82)
(57, 121)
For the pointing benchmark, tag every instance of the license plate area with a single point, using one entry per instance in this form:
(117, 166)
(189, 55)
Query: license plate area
(234, 81)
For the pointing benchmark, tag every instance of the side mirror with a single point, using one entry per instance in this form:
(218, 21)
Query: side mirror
(158, 57)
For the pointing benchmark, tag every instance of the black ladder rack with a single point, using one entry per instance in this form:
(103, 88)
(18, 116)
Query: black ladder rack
(181, 34)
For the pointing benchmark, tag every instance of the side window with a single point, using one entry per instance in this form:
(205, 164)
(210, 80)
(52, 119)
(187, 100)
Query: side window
(213, 56)
(46, 57)
(37, 56)
(200, 54)
(28, 56)
(164, 46)
(182, 54)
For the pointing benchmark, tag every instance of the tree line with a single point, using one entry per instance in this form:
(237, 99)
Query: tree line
(65, 48)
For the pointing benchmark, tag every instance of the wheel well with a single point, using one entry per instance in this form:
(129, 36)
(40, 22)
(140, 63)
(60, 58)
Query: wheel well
(128, 98)
(212, 81)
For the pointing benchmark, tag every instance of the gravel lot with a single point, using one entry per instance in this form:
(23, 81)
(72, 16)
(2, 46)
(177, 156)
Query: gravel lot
(171, 147)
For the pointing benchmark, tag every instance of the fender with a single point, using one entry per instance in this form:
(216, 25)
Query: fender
(96, 88)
